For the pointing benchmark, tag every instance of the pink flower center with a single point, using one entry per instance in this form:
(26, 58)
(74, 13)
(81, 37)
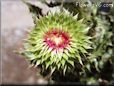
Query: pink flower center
(56, 39)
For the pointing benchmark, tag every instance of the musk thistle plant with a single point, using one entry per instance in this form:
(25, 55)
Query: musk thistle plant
(77, 44)
(57, 42)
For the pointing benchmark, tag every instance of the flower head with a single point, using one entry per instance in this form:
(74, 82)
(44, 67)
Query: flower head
(57, 41)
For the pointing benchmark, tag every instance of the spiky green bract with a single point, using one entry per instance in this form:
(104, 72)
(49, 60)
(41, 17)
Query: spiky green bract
(63, 59)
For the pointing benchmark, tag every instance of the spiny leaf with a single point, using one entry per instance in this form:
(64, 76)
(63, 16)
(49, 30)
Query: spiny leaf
(65, 57)
(71, 62)
(37, 63)
(63, 62)
(79, 59)
(88, 67)
(76, 16)
(52, 70)
(47, 64)
(58, 65)
(65, 68)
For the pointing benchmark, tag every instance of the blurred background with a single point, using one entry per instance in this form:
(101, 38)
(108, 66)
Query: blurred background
(15, 21)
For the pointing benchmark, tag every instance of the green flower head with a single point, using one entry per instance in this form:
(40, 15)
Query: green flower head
(57, 41)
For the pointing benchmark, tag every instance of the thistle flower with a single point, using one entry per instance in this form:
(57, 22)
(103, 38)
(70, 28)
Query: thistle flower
(57, 41)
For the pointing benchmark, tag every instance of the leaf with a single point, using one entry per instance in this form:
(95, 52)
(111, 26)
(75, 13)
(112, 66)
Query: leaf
(45, 51)
(42, 50)
(82, 50)
(71, 62)
(63, 62)
(66, 52)
(53, 53)
(64, 70)
(46, 57)
(65, 56)
(37, 63)
(58, 65)
(47, 64)
(35, 48)
(30, 55)
(49, 50)
(59, 54)
(96, 65)
(88, 67)
(71, 50)
(81, 20)
(86, 46)
(79, 59)
(52, 70)
(76, 16)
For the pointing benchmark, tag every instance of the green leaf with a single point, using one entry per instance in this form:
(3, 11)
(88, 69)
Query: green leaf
(79, 59)
(86, 46)
(47, 64)
(88, 67)
(37, 63)
(66, 52)
(76, 16)
(49, 50)
(62, 62)
(52, 70)
(30, 55)
(71, 62)
(58, 65)
(64, 70)
(82, 50)
(65, 56)
(81, 20)
(96, 65)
